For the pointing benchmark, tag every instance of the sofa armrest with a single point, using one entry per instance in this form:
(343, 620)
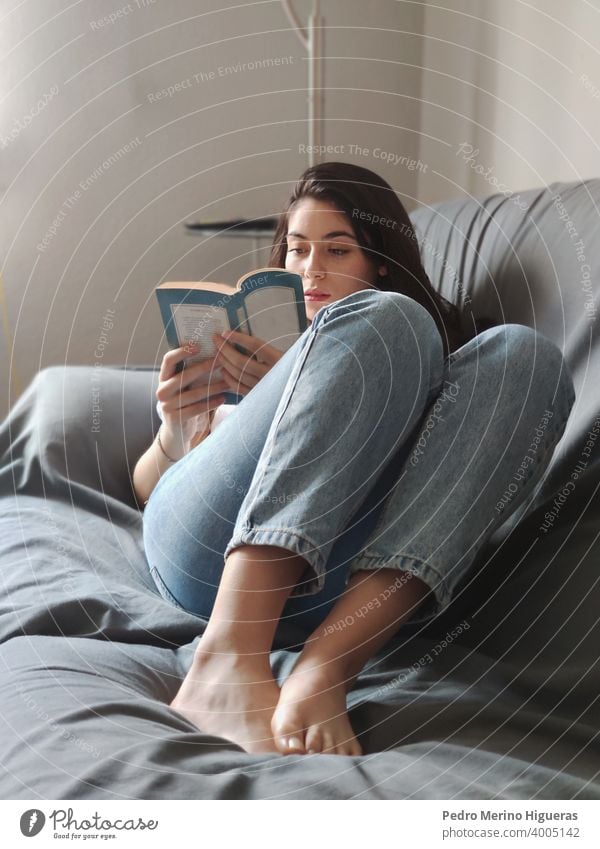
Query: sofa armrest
(79, 425)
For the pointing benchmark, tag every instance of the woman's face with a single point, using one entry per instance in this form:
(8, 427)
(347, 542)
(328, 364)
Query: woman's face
(322, 249)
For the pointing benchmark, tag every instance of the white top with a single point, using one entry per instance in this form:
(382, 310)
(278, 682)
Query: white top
(220, 413)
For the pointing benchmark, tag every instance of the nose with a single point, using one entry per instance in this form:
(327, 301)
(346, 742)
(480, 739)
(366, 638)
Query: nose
(311, 266)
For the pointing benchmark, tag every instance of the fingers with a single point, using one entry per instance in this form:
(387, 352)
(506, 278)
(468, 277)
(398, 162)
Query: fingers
(242, 377)
(184, 396)
(173, 357)
(238, 385)
(171, 383)
(201, 394)
(237, 363)
(182, 415)
(259, 350)
(242, 369)
(240, 372)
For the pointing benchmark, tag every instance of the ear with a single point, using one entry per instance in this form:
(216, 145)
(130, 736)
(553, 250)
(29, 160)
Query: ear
(382, 270)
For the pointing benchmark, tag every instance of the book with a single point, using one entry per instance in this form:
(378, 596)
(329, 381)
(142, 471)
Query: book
(267, 303)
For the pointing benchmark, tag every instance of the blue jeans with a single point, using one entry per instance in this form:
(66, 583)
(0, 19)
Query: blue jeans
(364, 448)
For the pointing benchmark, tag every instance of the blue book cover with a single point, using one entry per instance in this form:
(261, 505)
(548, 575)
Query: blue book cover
(267, 303)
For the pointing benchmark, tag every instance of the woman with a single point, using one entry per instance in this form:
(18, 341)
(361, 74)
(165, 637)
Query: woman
(353, 486)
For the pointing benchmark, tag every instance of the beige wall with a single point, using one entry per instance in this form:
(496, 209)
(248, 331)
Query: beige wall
(517, 82)
(222, 145)
(87, 142)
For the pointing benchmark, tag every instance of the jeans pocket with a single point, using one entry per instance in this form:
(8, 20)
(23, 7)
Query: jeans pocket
(163, 589)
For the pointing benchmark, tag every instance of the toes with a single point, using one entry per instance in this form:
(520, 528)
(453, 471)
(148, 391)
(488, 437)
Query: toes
(288, 732)
(329, 747)
(321, 739)
(314, 740)
(290, 744)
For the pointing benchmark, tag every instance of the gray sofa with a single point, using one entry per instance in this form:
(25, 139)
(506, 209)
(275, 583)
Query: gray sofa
(496, 699)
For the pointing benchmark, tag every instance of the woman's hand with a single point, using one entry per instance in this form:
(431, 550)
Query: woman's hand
(243, 371)
(184, 396)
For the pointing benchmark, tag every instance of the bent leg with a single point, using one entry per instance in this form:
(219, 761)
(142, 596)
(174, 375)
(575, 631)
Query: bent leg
(356, 394)
(311, 712)
(379, 356)
(229, 690)
(484, 446)
(192, 511)
(289, 466)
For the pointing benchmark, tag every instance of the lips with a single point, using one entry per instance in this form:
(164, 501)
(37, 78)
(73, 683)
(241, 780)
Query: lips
(316, 295)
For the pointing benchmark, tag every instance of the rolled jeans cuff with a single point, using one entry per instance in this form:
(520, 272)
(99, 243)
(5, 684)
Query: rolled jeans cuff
(420, 569)
(313, 579)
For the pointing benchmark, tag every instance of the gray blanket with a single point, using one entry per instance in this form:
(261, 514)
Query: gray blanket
(496, 699)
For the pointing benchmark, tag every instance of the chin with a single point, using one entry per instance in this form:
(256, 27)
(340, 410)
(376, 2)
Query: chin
(310, 315)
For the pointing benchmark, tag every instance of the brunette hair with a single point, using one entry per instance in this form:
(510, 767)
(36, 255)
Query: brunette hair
(386, 235)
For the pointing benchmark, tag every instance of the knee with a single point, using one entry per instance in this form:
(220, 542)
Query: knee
(526, 345)
(524, 351)
(396, 318)
(520, 347)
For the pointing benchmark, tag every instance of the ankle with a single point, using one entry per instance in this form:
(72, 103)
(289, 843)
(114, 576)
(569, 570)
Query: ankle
(325, 671)
(219, 644)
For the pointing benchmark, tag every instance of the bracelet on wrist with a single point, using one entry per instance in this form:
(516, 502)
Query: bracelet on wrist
(160, 445)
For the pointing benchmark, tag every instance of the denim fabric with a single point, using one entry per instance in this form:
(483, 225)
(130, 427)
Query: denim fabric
(363, 448)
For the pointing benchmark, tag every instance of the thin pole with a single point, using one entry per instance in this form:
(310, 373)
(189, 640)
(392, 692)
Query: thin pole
(315, 53)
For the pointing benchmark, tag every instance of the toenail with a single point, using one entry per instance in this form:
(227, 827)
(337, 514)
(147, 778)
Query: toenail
(312, 752)
(295, 743)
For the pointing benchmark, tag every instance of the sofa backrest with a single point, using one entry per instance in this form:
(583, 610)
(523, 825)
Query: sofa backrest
(530, 258)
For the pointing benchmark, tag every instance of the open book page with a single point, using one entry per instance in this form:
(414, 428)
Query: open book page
(271, 317)
(197, 323)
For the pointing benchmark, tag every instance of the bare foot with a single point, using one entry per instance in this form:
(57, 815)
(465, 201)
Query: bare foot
(231, 696)
(311, 715)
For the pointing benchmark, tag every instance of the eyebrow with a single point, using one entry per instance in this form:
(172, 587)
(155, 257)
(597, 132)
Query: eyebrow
(331, 235)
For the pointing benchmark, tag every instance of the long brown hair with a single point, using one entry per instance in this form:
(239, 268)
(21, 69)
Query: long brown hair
(383, 231)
